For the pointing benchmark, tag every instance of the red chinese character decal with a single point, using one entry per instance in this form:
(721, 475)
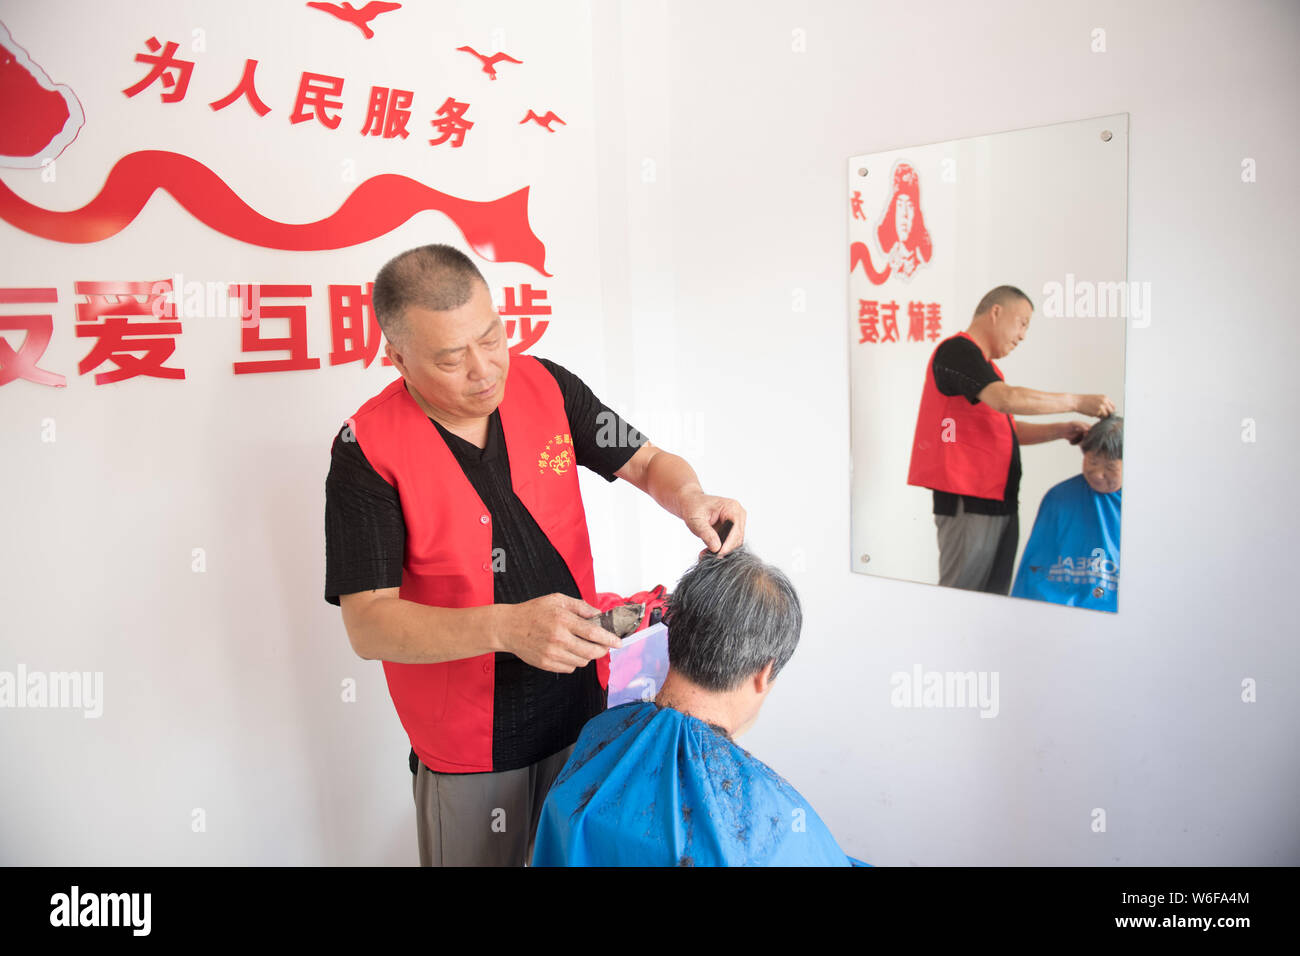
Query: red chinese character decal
(358, 18)
(889, 318)
(175, 73)
(354, 331)
(857, 206)
(545, 121)
(529, 302)
(246, 88)
(904, 240)
(923, 321)
(916, 321)
(250, 332)
(933, 321)
(453, 124)
(868, 317)
(314, 91)
(388, 112)
(39, 328)
(490, 62)
(118, 336)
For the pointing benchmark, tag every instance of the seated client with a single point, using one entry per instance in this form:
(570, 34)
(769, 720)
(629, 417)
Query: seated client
(1072, 556)
(661, 783)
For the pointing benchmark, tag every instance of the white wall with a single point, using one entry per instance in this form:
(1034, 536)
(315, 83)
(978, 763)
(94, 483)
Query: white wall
(1139, 714)
(225, 686)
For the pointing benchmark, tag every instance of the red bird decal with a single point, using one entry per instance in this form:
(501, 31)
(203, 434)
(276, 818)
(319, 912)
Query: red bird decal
(546, 120)
(358, 18)
(489, 62)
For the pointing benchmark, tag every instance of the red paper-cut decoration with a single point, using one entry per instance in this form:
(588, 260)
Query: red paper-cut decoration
(497, 230)
(39, 329)
(118, 336)
(38, 118)
(545, 121)
(246, 88)
(858, 252)
(490, 62)
(904, 240)
(175, 74)
(902, 233)
(358, 18)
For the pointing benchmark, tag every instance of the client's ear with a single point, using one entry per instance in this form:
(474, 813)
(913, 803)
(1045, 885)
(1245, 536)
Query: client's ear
(763, 679)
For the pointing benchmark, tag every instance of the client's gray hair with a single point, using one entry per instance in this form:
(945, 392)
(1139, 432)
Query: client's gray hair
(1106, 438)
(728, 617)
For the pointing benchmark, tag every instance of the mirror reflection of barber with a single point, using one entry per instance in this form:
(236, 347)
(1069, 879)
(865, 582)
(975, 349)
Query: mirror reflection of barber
(966, 448)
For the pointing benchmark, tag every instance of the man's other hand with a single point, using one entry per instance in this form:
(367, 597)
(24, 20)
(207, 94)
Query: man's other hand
(701, 512)
(1098, 406)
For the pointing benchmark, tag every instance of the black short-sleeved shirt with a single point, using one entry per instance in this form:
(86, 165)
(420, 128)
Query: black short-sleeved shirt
(960, 368)
(535, 713)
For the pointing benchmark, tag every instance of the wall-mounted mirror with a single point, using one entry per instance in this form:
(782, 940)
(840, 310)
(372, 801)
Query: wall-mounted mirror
(988, 305)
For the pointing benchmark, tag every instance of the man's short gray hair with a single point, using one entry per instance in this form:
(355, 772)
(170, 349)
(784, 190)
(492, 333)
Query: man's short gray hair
(728, 617)
(1106, 438)
(1003, 295)
(434, 277)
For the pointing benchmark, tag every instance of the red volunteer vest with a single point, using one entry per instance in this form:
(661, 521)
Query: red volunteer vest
(446, 708)
(975, 458)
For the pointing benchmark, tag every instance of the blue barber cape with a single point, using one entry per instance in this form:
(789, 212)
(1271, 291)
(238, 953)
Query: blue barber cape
(1072, 556)
(651, 786)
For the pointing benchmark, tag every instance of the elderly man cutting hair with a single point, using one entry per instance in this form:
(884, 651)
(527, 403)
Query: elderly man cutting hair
(662, 783)
(457, 548)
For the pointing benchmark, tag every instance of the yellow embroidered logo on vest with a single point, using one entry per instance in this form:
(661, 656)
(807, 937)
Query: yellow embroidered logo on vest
(558, 455)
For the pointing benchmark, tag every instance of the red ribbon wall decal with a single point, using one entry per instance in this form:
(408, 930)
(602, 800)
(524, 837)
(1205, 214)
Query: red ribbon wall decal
(497, 230)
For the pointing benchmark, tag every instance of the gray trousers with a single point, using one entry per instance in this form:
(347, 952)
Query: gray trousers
(977, 552)
(481, 819)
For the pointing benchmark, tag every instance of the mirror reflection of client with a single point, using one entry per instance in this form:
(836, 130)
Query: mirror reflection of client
(1072, 556)
(967, 443)
(660, 783)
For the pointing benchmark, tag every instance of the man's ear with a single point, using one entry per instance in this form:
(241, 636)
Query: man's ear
(763, 679)
(394, 356)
